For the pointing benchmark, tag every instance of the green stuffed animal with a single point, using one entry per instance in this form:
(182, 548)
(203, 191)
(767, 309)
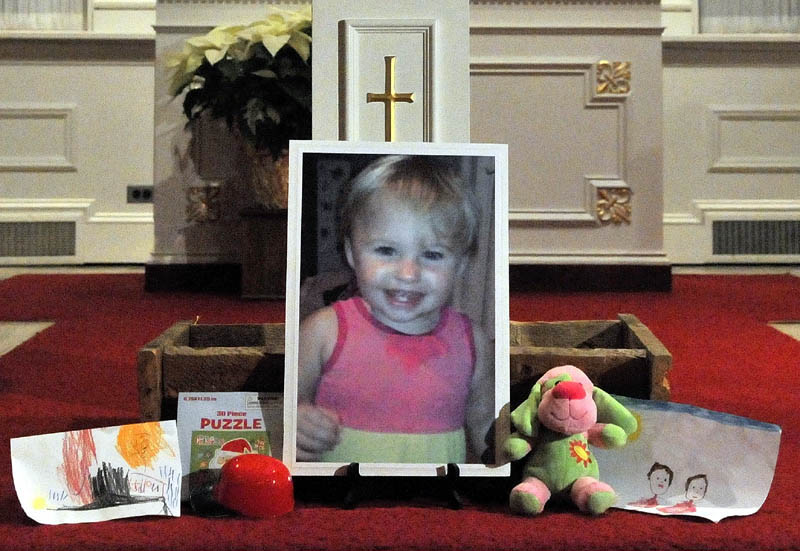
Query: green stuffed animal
(565, 413)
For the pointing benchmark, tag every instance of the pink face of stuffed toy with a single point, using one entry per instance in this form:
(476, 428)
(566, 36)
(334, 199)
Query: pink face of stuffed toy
(567, 407)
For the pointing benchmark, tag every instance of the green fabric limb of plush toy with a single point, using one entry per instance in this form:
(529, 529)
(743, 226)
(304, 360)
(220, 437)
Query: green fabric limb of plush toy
(562, 416)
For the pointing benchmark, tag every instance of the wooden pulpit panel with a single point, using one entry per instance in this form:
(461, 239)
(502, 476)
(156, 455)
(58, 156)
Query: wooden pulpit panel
(422, 94)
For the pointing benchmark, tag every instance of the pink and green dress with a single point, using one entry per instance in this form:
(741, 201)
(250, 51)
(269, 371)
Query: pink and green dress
(400, 398)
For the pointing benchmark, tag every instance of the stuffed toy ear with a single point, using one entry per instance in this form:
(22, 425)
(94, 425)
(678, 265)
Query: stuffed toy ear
(525, 416)
(610, 411)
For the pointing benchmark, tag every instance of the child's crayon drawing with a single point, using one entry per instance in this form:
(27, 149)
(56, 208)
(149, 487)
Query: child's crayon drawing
(98, 474)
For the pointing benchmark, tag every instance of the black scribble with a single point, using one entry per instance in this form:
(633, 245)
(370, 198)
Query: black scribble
(111, 488)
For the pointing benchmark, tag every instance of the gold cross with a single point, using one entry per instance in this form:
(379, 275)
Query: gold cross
(389, 98)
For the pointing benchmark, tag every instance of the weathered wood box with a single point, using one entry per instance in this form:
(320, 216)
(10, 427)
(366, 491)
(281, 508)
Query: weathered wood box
(622, 356)
(190, 357)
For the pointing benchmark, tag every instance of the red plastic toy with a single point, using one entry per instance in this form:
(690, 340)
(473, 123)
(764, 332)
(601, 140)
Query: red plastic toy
(256, 486)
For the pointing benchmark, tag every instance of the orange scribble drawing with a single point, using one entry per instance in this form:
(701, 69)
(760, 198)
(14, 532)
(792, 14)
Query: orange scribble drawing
(79, 453)
(140, 444)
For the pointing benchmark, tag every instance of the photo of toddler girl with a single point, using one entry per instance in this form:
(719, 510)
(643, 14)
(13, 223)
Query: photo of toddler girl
(396, 373)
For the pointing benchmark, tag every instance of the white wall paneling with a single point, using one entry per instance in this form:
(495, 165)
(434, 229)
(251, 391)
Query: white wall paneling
(429, 43)
(679, 17)
(566, 192)
(37, 214)
(691, 234)
(764, 138)
(76, 122)
(37, 137)
(732, 146)
(413, 44)
(124, 16)
(575, 90)
(80, 105)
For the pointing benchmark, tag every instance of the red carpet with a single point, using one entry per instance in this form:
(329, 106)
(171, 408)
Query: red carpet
(81, 373)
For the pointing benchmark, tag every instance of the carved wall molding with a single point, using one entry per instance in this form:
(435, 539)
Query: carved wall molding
(66, 210)
(586, 257)
(754, 139)
(564, 2)
(203, 203)
(613, 205)
(121, 218)
(472, 2)
(613, 77)
(124, 4)
(238, 2)
(51, 126)
(358, 31)
(586, 212)
(44, 210)
(570, 16)
(697, 225)
(704, 210)
(587, 30)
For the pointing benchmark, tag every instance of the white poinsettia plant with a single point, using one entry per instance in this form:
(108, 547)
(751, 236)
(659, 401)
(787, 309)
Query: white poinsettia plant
(257, 77)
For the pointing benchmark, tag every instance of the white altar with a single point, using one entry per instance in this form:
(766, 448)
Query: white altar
(573, 87)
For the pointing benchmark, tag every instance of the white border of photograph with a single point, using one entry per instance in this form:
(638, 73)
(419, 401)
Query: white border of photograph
(499, 152)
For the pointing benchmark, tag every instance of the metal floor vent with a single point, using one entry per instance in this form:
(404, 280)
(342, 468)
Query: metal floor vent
(756, 237)
(37, 239)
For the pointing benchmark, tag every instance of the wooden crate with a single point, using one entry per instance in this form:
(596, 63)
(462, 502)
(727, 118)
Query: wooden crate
(621, 356)
(191, 357)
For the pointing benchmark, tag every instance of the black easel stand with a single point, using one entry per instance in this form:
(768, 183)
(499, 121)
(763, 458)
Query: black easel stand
(450, 487)
(360, 487)
(355, 487)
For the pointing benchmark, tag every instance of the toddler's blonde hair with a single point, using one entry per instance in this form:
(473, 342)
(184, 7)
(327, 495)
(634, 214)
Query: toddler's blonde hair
(425, 184)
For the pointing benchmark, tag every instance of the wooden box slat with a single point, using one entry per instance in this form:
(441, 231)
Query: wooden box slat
(621, 356)
(190, 357)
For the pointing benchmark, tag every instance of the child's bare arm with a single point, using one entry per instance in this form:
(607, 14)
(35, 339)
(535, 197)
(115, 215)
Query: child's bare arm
(317, 431)
(480, 406)
(317, 428)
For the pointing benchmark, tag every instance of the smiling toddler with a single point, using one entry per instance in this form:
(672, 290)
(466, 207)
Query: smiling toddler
(395, 374)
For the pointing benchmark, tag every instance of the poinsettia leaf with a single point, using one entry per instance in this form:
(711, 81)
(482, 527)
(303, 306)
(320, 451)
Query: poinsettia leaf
(193, 62)
(302, 44)
(265, 73)
(213, 56)
(274, 43)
